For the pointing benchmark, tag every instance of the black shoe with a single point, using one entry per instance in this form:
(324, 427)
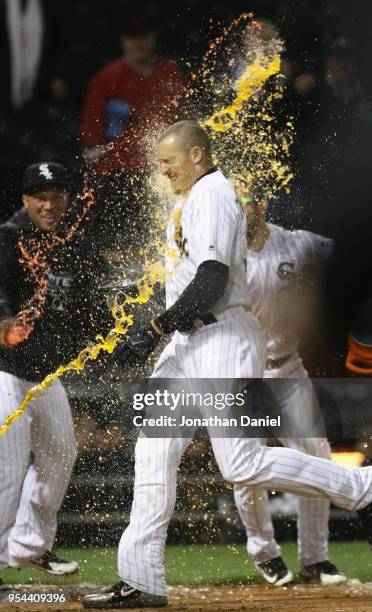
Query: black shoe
(275, 572)
(323, 572)
(122, 595)
(4, 586)
(49, 563)
(365, 517)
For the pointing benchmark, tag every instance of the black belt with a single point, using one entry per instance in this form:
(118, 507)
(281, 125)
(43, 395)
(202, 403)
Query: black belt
(273, 364)
(207, 318)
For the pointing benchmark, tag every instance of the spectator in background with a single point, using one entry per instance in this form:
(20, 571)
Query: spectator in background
(32, 76)
(125, 103)
(342, 124)
(332, 117)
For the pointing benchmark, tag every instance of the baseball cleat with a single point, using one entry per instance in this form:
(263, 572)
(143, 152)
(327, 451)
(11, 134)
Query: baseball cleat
(4, 586)
(275, 572)
(365, 517)
(323, 572)
(122, 595)
(49, 563)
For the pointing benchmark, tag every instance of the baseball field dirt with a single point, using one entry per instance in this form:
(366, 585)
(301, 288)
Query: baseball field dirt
(351, 596)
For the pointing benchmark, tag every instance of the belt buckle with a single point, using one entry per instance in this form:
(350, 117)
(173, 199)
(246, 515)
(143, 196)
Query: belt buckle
(197, 324)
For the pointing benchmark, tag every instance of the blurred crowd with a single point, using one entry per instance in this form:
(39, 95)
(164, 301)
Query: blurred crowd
(53, 49)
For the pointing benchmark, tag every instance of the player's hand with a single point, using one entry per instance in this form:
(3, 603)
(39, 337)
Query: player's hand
(12, 332)
(138, 347)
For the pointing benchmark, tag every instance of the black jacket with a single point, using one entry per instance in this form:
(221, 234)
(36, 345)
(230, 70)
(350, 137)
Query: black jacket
(73, 312)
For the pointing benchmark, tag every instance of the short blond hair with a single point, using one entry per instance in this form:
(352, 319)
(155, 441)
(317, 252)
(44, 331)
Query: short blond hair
(189, 134)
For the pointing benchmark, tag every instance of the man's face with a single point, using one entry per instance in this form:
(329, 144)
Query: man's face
(139, 50)
(177, 165)
(255, 213)
(46, 208)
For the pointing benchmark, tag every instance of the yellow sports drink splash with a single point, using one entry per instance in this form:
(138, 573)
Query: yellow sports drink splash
(107, 344)
(252, 80)
(247, 142)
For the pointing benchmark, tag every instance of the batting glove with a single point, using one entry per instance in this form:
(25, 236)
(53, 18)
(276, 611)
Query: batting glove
(138, 346)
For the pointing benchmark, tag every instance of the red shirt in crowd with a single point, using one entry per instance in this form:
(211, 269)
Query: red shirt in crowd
(153, 100)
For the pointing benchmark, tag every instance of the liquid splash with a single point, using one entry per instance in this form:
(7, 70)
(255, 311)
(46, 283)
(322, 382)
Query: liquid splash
(252, 80)
(107, 344)
(250, 138)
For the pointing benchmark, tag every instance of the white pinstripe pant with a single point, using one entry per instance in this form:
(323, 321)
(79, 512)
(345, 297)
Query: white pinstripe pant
(31, 495)
(231, 348)
(296, 399)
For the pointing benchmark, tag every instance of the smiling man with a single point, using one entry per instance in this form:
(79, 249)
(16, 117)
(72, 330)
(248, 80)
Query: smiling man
(213, 337)
(45, 195)
(31, 493)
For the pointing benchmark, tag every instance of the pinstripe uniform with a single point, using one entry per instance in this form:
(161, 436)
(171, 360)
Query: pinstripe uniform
(31, 495)
(271, 274)
(213, 227)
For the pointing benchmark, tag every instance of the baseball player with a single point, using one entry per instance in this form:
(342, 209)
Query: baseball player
(276, 260)
(31, 491)
(213, 337)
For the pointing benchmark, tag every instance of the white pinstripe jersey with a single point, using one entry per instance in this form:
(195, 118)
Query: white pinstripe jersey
(271, 276)
(211, 226)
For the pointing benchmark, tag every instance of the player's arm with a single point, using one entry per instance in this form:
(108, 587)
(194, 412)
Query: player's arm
(8, 322)
(318, 249)
(315, 252)
(206, 288)
(215, 225)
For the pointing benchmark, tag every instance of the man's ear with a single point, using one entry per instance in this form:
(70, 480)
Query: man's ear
(196, 154)
(263, 205)
(25, 200)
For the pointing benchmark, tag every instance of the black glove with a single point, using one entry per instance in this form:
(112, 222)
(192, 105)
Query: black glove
(138, 347)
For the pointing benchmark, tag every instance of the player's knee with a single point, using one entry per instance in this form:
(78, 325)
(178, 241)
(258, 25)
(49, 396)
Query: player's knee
(324, 449)
(239, 470)
(318, 447)
(232, 474)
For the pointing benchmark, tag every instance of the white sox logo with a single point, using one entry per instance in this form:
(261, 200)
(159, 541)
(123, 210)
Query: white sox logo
(44, 171)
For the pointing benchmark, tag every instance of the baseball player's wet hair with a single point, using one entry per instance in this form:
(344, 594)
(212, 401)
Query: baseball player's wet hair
(189, 134)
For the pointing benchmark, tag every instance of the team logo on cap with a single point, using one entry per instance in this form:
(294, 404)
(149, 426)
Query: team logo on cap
(44, 171)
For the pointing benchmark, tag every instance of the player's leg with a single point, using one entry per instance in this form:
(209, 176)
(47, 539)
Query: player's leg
(235, 360)
(244, 461)
(54, 448)
(297, 399)
(14, 457)
(254, 512)
(141, 548)
(312, 523)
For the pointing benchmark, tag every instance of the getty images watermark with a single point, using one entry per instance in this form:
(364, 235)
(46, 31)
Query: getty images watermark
(257, 408)
(181, 402)
(179, 407)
